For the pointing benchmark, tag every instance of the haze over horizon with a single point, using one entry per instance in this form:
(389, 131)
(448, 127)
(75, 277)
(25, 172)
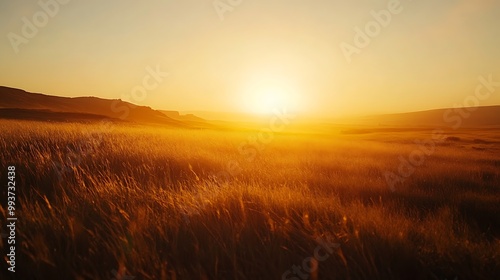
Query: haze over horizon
(257, 55)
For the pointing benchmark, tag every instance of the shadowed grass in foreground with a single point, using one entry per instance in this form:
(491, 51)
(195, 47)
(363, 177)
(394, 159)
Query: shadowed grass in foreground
(147, 202)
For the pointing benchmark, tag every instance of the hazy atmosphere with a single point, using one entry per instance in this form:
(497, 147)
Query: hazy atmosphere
(254, 55)
(250, 139)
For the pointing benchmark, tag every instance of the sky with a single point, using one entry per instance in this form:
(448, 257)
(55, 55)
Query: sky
(325, 58)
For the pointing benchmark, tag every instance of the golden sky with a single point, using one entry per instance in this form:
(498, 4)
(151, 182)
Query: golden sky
(328, 58)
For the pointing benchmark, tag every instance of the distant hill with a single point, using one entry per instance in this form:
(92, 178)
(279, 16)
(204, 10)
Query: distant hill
(190, 119)
(84, 107)
(487, 116)
(229, 116)
(19, 104)
(47, 115)
(176, 115)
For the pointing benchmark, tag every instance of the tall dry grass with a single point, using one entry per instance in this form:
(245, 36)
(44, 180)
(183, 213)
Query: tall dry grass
(146, 202)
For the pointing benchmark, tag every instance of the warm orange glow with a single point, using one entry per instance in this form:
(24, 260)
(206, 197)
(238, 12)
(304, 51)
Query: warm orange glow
(256, 56)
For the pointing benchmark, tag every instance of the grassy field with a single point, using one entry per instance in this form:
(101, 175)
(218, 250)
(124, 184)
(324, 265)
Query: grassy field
(138, 202)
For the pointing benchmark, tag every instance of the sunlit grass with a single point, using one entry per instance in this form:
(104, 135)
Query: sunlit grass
(149, 201)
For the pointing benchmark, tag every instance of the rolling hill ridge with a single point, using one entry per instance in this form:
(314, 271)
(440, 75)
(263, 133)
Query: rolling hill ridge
(11, 98)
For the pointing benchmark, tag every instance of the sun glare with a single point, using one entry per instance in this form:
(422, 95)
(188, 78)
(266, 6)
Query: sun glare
(266, 97)
(269, 98)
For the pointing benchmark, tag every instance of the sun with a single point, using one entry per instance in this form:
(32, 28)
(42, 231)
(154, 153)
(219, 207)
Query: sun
(268, 97)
